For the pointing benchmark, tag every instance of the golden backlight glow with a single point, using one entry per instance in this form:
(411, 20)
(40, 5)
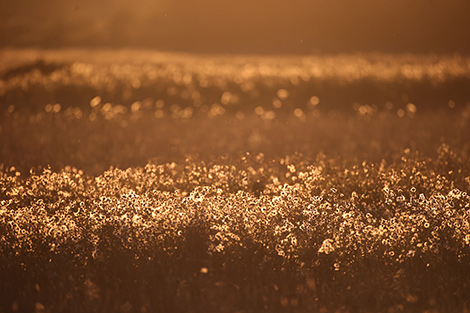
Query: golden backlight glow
(234, 156)
(259, 26)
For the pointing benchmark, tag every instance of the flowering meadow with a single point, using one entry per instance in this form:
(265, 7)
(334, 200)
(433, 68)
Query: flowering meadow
(152, 182)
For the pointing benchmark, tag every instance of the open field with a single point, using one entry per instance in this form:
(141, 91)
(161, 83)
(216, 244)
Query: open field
(137, 181)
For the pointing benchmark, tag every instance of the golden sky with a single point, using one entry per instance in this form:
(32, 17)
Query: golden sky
(296, 26)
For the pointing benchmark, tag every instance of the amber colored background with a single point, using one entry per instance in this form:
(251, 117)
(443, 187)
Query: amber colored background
(262, 26)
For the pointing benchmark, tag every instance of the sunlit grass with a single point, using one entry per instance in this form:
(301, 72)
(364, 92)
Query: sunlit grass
(213, 85)
(151, 182)
(240, 233)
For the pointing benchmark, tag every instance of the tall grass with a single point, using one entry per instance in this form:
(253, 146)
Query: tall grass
(239, 234)
(249, 184)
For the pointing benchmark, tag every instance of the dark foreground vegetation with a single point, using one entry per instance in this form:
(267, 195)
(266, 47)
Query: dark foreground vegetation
(269, 187)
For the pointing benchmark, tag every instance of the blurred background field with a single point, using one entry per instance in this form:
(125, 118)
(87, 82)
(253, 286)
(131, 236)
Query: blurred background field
(98, 108)
(71, 77)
